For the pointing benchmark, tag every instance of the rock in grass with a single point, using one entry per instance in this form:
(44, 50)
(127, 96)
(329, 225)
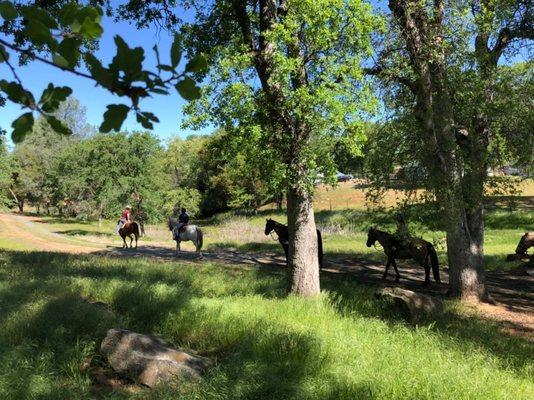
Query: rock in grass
(149, 360)
(415, 306)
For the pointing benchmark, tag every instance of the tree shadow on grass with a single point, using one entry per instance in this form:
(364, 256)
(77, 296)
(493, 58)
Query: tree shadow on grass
(277, 360)
(457, 331)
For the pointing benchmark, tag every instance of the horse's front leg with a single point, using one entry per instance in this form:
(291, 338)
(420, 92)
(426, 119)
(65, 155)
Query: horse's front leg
(388, 262)
(427, 273)
(124, 245)
(396, 270)
(131, 241)
(178, 246)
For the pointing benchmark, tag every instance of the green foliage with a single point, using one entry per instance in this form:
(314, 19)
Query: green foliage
(328, 104)
(5, 174)
(80, 28)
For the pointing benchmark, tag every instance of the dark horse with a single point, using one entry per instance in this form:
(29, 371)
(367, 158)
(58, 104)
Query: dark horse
(283, 238)
(418, 249)
(129, 229)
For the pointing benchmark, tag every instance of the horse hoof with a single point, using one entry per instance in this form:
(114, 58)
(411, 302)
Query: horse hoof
(426, 283)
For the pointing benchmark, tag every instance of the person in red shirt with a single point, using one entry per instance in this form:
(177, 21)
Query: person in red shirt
(126, 216)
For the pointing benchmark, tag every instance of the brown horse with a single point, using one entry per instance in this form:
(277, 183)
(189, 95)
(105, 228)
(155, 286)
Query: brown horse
(526, 242)
(129, 229)
(415, 248)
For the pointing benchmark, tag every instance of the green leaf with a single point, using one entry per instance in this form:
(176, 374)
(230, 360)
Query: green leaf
(197, 64)
(128, 60)
(188, 89)
(103, 76)
(53, 96)
(4, 55)
(68, 49)
(114, 117)
(8, 10)
(38, 14)
(146, 118)
(68, 13)
(40, 34)
(16, 93)
(57, 125)
(21, 127)
(60, 60)
(176, 51)
(90, 29)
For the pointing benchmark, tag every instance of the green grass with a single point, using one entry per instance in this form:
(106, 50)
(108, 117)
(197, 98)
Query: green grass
(343, 345)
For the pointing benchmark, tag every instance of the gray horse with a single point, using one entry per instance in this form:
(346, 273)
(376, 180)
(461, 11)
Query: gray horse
(188, 232)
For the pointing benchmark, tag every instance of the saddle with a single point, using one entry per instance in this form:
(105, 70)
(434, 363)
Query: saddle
(182, 228)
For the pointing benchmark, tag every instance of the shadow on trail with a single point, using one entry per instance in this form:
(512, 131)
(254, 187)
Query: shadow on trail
(82, 232)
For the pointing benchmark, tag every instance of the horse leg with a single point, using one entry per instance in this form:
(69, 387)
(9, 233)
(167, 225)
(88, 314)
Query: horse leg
(131, 240)
(397, 277)
(384, 276)
(135, 240)
(124, 245)
(286, 251)
(178, 246)
(427, 273)
(197, 245)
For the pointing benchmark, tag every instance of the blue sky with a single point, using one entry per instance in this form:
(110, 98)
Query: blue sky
(36, 77)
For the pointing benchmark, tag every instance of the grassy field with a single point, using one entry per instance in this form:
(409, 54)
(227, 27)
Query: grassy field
(344, 345)
(344, 229)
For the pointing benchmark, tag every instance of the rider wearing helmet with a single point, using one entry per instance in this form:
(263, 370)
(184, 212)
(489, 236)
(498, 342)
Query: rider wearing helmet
(126, 216)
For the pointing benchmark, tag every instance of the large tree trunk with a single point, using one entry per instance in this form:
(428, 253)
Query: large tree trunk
(303, 261)
(465, 253)
(457, 179)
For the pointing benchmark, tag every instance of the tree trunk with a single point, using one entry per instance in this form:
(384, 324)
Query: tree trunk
(303, 261)
(465, 253)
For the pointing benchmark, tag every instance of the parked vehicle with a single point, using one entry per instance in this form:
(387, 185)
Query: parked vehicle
(341, 177)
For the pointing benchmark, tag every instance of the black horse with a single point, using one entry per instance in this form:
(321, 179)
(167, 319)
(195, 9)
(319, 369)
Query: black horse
(283, 238)
(418, 249)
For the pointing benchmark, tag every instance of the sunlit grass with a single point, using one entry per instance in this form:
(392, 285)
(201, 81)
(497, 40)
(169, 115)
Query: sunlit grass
(343, 345)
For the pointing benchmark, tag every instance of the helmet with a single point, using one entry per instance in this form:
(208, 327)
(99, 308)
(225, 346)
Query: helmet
(128, 207)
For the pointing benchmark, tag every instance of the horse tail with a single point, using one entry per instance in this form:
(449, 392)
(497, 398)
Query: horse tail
(320, 248)
(136, 229)
(200, 238)
(434, 262)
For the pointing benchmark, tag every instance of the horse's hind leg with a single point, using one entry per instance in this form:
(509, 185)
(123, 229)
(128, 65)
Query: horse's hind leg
(131, 240)
(135, 241)
(397, 277)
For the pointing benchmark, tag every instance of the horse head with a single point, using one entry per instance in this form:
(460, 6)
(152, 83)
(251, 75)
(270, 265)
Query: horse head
(171, 223)
(269, 226)
(371, 237)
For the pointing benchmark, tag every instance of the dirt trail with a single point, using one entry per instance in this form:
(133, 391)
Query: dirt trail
(513, 293)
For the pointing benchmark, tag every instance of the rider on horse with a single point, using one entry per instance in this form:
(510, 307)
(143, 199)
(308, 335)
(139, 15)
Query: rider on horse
(402, 234)
(183, 219)
(126, 216)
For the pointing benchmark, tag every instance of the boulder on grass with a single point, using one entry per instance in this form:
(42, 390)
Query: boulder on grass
(149, 360)
(414, 306)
